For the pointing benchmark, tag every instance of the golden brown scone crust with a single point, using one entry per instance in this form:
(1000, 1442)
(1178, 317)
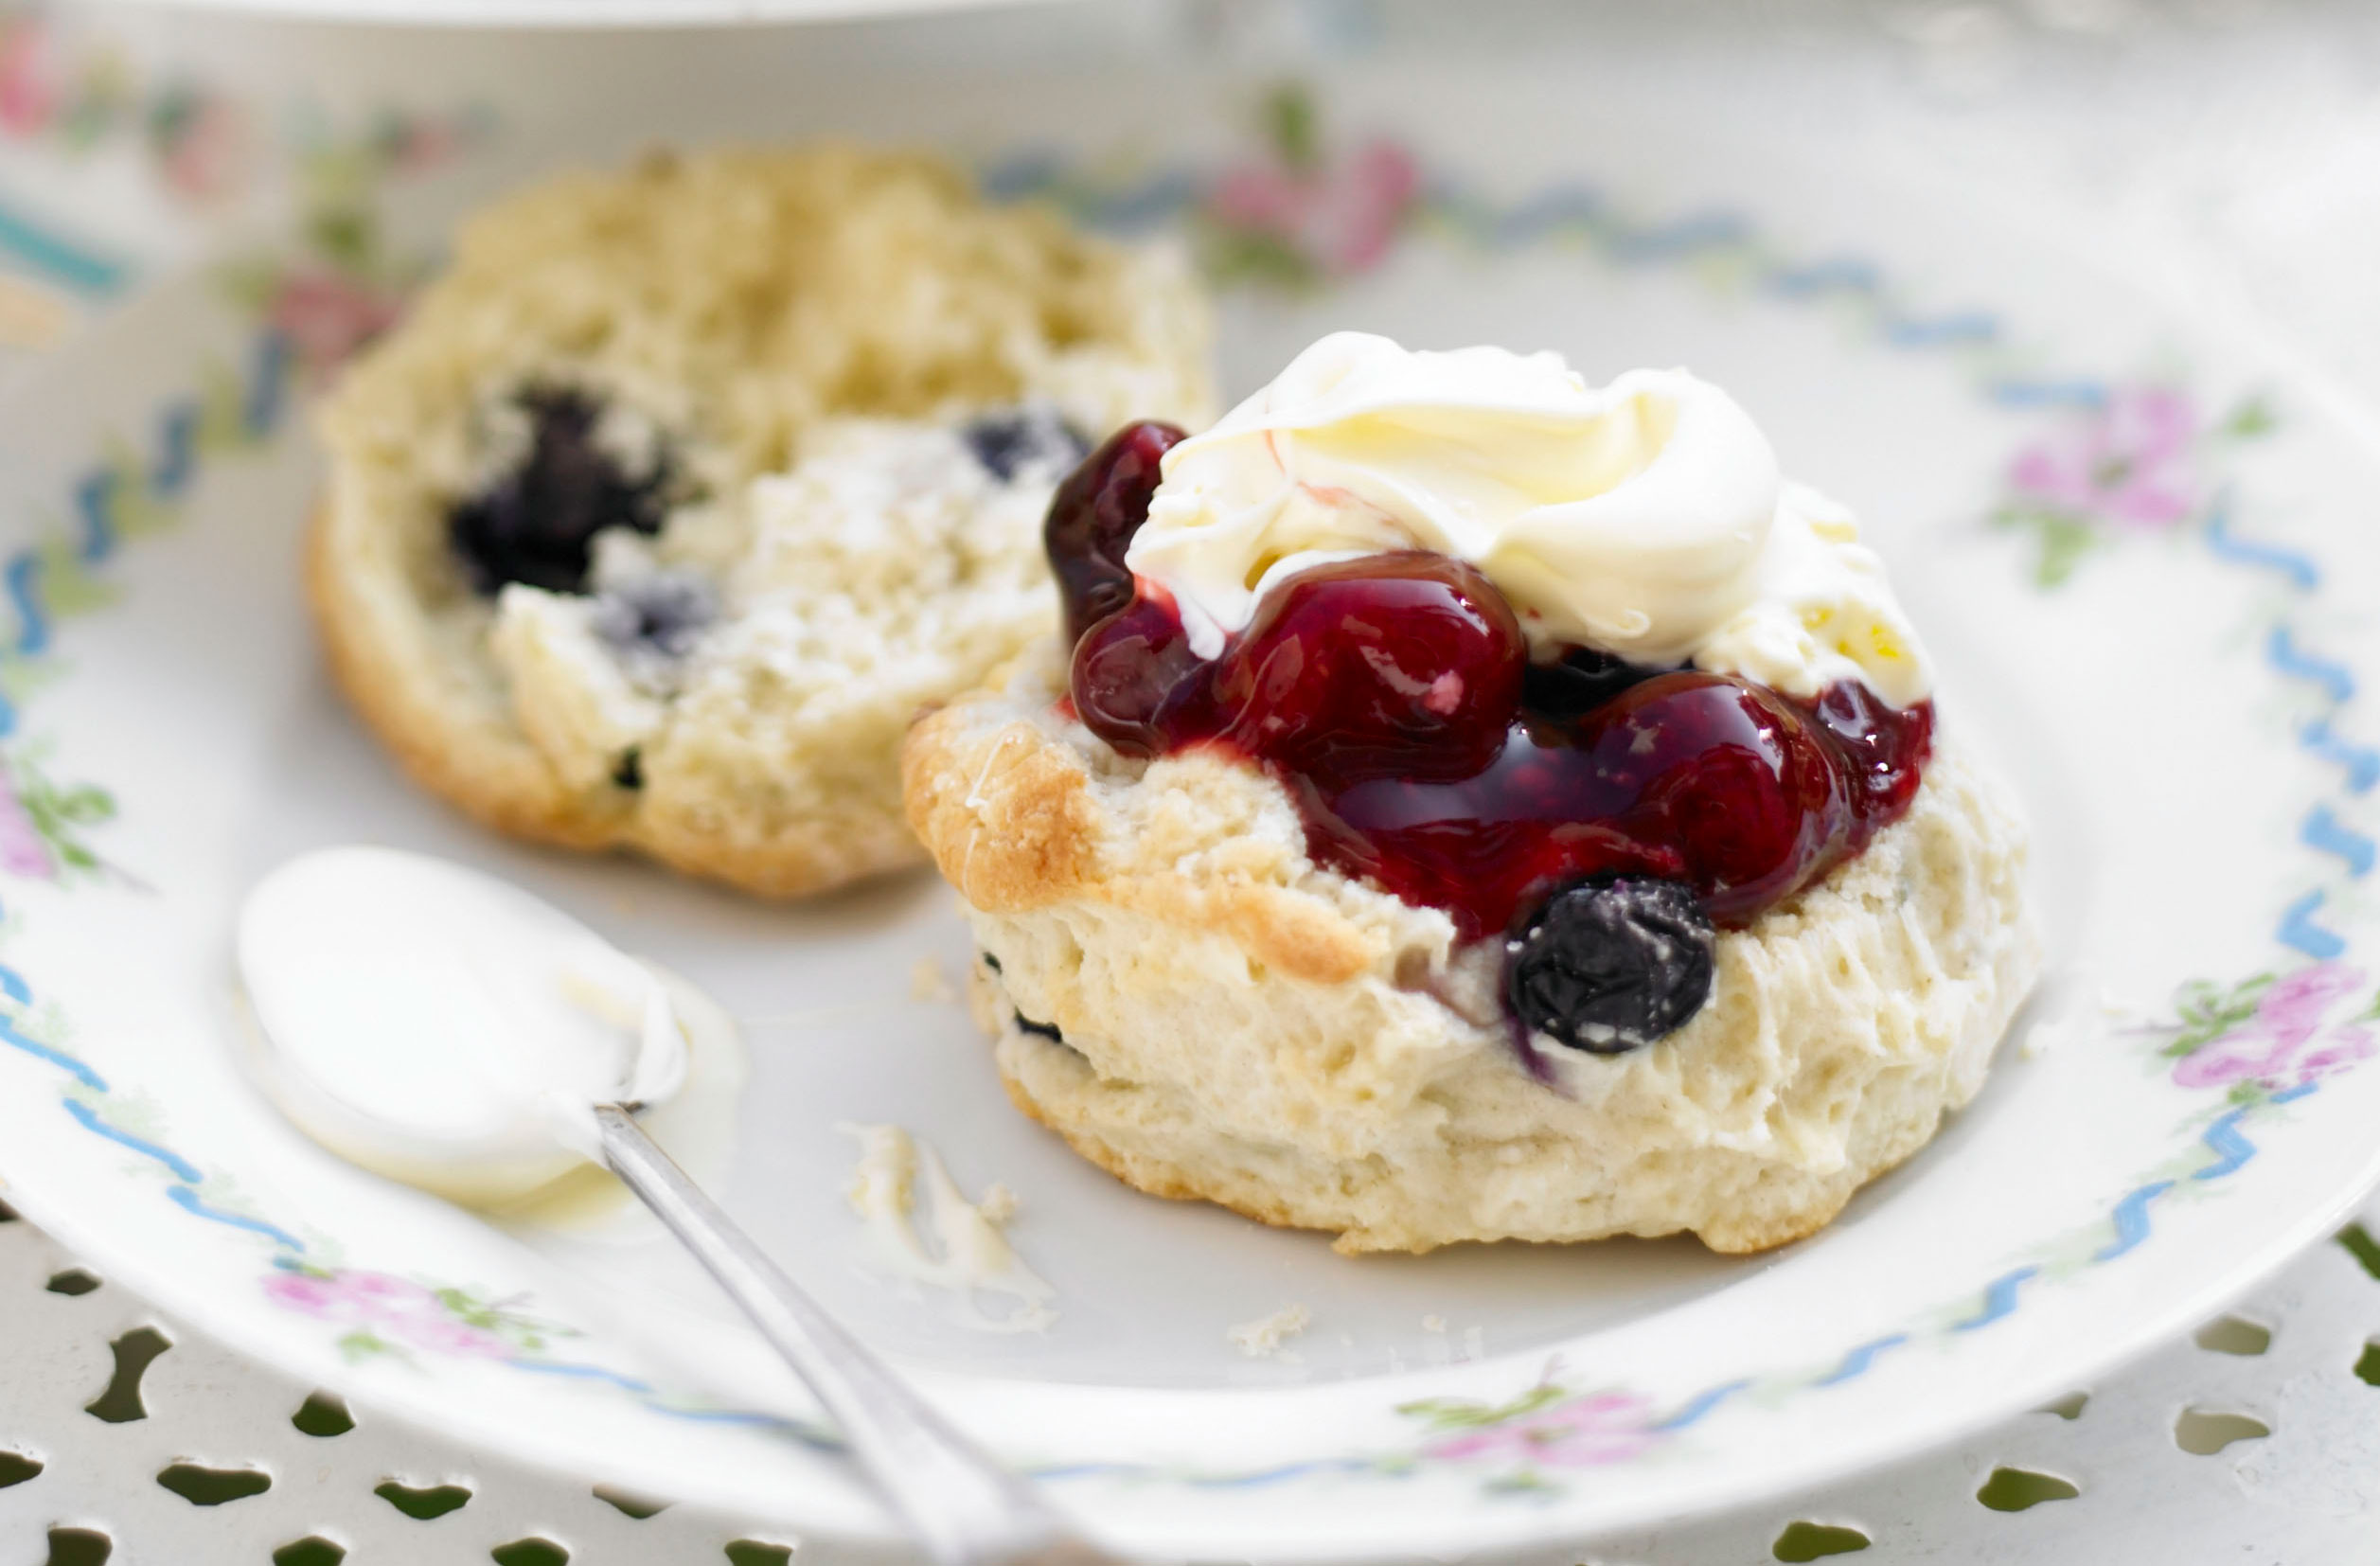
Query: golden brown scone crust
(492, 775)
(1022, 831)
(1243, 1026)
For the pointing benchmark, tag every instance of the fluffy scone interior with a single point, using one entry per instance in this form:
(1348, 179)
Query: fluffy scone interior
(1180, 991)
(787, 343)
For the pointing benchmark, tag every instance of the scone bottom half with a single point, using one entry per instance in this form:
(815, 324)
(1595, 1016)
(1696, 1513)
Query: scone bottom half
(670, 503)
(1377, 924)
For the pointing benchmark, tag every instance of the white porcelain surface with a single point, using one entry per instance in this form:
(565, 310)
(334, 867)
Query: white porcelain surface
(2177, 711)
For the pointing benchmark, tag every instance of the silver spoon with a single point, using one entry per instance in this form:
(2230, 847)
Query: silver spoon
(962, 1505)
(383, 981)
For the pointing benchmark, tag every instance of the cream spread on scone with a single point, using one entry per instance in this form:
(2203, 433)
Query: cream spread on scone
(1645, 518)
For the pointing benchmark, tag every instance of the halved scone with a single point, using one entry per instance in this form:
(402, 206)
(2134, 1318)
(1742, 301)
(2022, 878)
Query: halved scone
(682, 490)
(1469, 803)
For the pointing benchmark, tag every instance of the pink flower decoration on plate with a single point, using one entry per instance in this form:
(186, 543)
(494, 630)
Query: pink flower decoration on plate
(326, 318)
(2288, 1017)
(385, 1304)
(28, 100)
(208, 152)
(367, 1298)
(1341, 218)
(1578, 1433)
(23, 849)
(444, 1335)
(2347, 1047)
(2131, 463)
(303, 1291)
(416, 145)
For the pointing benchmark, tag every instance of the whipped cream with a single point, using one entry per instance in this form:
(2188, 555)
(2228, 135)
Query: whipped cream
(1646, 518)
(449, 1030)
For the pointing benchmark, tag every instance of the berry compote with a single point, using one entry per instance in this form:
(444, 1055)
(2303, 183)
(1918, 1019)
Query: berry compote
(1590, 813)
(1093, 516)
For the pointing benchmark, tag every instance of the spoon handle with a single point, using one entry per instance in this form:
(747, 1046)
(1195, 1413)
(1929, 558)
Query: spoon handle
(963, 1506)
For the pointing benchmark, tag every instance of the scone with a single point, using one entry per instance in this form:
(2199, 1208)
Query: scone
(1469, 805)
(683, 489)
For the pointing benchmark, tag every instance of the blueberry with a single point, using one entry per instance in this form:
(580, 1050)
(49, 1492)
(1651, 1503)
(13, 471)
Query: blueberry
(1025, 1023)
(537, 522)
(665, 613)
(1611, 964)
(1014, 439)
(1576, 684)
(1040, 1030)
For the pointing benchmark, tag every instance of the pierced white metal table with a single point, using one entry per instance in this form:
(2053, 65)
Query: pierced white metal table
(2257, 1442)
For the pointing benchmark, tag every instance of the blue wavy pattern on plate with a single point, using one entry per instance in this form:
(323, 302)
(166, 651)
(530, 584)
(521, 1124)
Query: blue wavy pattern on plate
(48, 251)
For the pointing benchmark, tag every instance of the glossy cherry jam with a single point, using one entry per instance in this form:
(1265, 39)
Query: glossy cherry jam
(1093, 516)
(1394, 695)
(1694, 778)
(1395, 665)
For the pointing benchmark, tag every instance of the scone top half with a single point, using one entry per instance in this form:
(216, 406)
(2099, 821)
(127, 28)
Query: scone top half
(682, 489)
(1467, 803)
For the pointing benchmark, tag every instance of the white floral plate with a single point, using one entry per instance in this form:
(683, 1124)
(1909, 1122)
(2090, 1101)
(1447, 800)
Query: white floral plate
(2134, 544)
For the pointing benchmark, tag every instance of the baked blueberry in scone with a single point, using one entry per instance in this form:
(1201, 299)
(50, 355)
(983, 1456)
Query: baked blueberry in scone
(1466, 804)
(682, 490)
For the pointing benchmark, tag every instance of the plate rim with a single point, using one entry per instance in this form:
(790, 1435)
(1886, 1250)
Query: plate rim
(2305, 1232)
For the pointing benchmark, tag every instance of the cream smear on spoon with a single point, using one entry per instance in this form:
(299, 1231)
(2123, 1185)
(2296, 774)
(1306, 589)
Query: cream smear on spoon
(441, 1028)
